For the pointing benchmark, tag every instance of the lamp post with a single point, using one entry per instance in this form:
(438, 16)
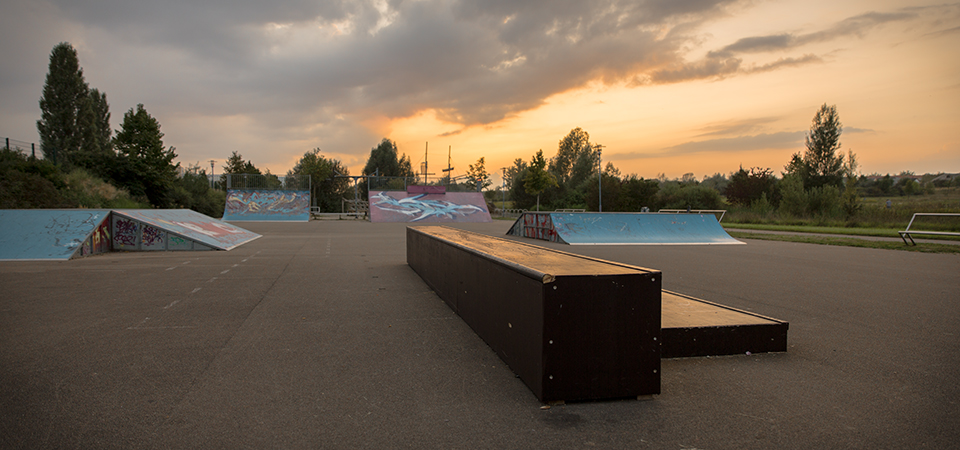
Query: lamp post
(503, 190)
(600, 176)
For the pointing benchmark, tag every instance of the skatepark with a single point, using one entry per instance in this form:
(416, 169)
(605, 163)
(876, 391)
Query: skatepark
(320, 335)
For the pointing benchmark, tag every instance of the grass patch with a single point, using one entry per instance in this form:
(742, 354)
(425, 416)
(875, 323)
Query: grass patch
(875, 232)
(850, 242)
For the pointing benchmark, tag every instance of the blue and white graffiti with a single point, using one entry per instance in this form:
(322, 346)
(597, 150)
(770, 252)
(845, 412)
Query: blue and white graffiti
(416, 209)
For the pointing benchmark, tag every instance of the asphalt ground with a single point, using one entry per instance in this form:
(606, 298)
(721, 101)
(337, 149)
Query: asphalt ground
(318, 335)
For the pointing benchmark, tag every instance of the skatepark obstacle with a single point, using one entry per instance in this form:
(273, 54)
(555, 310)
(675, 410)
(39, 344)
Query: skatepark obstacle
(45, 234)
(622, 228)
(571, 327)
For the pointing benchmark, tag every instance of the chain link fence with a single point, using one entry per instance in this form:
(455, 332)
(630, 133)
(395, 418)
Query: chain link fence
(375, 183)
(268, 182)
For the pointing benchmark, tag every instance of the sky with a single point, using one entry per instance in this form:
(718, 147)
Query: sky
(668, 87)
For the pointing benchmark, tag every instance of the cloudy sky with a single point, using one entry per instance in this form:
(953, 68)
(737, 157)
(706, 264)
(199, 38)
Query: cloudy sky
(667, 86)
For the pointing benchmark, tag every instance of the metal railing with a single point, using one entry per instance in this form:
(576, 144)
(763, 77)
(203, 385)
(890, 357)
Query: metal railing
(908, 233)
(696, 211)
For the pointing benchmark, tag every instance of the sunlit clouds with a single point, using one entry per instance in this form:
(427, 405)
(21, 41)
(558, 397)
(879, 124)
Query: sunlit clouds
(672, 87)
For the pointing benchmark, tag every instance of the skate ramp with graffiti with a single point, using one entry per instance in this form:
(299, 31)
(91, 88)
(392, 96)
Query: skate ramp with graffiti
(266, 206)
(400, 206)
(622, 228)
(53, 234)
(62, 234)
(174, 229)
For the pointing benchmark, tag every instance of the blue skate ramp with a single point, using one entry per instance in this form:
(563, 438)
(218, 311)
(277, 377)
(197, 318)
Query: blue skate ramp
(49, 234)
(622, 228)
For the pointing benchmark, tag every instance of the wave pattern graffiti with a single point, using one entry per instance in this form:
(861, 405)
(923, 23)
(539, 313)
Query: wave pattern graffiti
(417, 208)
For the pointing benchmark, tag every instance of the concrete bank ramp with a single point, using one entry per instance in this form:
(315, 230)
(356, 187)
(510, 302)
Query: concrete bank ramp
(174, 229)
(622, 228)
(400, 206)
(50, 234)
(62, 234)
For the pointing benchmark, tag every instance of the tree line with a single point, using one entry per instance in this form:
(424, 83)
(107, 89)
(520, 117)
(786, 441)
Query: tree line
(820, 181)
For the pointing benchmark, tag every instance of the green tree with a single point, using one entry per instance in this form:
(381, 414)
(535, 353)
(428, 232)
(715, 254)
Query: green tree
(820, 165)
(236, 165)
(65, 93)
(145, 167)
(638, 193)
(576, 158)
(538, 178)
(478, 176)
(745, 187)
(385, 161)
(326, 189)
(192, 190)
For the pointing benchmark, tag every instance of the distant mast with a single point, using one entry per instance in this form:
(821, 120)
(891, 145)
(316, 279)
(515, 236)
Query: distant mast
(449, 168)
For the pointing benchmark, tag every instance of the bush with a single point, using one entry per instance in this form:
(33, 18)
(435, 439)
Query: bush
(87, 191)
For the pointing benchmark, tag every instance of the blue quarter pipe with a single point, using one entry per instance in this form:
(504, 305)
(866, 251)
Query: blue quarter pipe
(622, 228)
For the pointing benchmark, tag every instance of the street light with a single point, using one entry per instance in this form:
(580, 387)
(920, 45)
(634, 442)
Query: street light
(600, 176)
(503, 190)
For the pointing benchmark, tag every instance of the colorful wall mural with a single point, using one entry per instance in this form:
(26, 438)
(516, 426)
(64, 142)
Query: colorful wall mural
(398, 206)
(250, 205)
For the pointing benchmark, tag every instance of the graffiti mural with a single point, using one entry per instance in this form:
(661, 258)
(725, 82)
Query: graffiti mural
(245, 205)
(99, 241)
(125, 233)
(449, 207)
(152, 238)
(190, 225)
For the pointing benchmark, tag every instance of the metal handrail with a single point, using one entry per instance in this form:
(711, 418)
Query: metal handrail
(696, 211)
(908, 233)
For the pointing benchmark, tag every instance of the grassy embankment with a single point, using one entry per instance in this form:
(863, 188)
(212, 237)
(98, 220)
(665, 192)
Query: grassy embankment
(875, 219)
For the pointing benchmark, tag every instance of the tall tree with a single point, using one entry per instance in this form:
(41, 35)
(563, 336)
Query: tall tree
(538, 178)
(146, 167)
(101, 115)
(478, 176)
(573, 150)
(64, 95)
(326, 189)
(236, 165)
(820, 165)
(385, 161)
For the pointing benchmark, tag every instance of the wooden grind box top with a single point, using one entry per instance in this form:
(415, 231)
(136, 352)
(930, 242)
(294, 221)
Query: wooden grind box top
(550, 262)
